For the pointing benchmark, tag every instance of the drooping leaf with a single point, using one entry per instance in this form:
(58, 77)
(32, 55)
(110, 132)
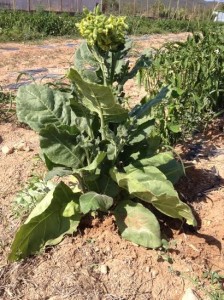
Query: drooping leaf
(61, 147)
(141, 131)
(99, 99)
(92, 201)
(58, 171)
(50, 220)
(38, 106)
(165, 162)
(137, 224)
(94, 164)
(86, 64)
(142, 110)
(150, 184)
(144, 61)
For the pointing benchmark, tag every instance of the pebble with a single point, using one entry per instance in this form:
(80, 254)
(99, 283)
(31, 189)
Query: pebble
(154, 273)
(78, 265)
(22, 147)
(189, 295)
(147, 269)
(103, 269)
(7, 150)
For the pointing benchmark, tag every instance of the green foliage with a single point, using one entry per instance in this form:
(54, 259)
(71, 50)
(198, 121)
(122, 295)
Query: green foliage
(22, 26)
(18, 25)
(6, 105)
(34, 191)
(143, 25)
(111, 152)
(194, 72)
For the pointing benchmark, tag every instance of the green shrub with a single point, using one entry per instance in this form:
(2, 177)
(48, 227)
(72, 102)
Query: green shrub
(18, 25)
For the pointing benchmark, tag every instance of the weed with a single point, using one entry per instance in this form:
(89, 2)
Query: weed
(7, 110)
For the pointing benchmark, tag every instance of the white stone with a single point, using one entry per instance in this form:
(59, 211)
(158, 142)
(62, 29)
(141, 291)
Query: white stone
(6, 150)
(103, 269)
(154, 273)
(189, 295)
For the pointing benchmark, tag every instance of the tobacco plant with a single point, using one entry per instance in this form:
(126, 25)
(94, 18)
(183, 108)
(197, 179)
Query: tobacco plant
(112, 153)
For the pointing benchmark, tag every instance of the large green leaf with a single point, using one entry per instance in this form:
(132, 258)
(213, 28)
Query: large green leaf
(99, 99)
(150, 184)
(92, 201)
(56, 215)
(137, 224)
(61, 147)
(38, 106)
(86, 64)
(165, 162)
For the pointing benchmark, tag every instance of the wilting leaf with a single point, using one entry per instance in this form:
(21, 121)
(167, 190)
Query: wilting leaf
(165, 162)
(99, 99)
(142, 110)
(92, 201)
(150, 184)
(137, 224)
(50, 220)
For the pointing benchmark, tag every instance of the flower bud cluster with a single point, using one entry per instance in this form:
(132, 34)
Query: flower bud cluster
(108, 33)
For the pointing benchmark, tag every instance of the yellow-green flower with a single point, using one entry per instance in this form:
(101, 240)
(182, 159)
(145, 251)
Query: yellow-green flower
(108, 33)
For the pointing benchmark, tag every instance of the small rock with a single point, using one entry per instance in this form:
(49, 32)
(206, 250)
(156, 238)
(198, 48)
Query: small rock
(78, 265)
(6, 150)
(103, 269)
(108, 249)
(189, 295)
(154, 273)
(27, 149)
(21, 146)
(147, 269)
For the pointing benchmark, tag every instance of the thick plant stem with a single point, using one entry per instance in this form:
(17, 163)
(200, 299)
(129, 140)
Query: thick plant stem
(113, 66)
(102, 125)
(102, 65)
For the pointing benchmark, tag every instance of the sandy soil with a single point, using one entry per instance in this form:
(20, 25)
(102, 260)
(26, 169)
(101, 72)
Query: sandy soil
(73, 269)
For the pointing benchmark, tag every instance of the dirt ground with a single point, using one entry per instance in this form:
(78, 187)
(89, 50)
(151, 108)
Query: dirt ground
(95, 263)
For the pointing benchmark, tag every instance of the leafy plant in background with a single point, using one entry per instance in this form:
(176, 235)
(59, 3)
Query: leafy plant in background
(112, 153)
(194, 72)
(34, 191)
(22, 26)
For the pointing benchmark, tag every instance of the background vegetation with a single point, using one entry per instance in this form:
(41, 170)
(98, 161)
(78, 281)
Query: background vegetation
(194, 72)
(22, 26)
